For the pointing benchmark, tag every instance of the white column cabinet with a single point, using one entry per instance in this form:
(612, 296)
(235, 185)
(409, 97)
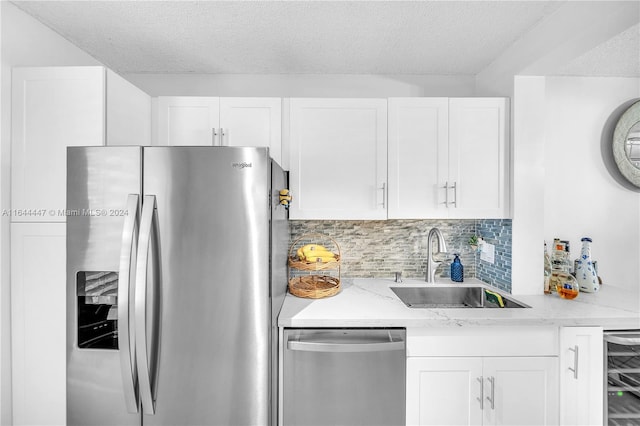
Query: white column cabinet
(338, 158)
(482, 391)
(53, 108)
(213, 121)
(38, 318)
(56, 107)
(448, 158)
(581, 376)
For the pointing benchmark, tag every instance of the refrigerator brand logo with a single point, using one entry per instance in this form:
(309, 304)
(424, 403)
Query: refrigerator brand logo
(242, 165)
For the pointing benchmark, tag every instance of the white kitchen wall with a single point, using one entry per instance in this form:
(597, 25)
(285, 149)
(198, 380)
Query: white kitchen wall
(303, 85)
(584, 194)
(25, 42)
(565, 182)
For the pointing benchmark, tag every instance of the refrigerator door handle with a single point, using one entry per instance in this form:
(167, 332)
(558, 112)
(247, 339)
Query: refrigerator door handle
(125, 294)
(143, 360)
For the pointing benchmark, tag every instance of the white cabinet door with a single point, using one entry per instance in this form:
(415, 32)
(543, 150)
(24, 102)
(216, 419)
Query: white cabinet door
(188, 121)
(482, 391)
(444, 391)
(448, 158)
(581, 376)
(252, 122)
(51, 108)
(478, 158)
(418, 157)
(338, 158)
(38, 318)
(520, 391)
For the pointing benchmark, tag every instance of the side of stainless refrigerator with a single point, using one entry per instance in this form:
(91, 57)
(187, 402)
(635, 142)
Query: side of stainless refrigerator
(176, 271)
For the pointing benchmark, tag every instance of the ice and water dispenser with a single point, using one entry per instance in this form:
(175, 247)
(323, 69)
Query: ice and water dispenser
(97, 298)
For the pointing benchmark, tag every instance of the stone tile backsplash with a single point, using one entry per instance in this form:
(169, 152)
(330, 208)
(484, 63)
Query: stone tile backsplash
(498, 233)
(377, 249)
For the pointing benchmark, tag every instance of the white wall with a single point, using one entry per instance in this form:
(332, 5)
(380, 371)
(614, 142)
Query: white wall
(527, 180)
(565, 181)
(25, 42)
(584, 196)
(302, 85)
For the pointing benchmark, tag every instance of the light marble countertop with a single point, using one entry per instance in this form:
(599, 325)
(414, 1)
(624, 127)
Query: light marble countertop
(369, 302)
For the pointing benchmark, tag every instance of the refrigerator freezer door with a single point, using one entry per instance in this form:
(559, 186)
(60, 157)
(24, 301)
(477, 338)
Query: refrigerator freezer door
(99, 180)
(213, 232)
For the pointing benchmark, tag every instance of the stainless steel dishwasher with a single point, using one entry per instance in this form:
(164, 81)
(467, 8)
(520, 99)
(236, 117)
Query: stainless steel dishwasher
(344, 377)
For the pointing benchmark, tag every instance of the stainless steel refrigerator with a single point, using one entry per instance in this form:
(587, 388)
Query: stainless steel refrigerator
(176, 272)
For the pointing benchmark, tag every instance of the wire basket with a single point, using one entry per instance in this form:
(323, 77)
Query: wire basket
(311, 285)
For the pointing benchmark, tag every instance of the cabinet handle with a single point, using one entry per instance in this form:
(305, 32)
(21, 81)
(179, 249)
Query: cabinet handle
(575, 362)
(491, 399)
(222, 134)
(455, 194)
(481, 399)
(384, 194)
(214, 136)
(446, 194)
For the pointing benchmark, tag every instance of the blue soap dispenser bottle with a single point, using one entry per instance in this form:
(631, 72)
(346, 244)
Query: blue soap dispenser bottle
(457, 270)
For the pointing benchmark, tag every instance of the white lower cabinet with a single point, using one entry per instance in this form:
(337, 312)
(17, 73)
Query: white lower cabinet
(482, 376)
(482, 391)
(443, 391)
(38, 323)
(581, 376)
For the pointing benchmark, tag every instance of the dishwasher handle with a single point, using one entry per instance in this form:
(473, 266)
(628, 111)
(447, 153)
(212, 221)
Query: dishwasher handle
(342, 347)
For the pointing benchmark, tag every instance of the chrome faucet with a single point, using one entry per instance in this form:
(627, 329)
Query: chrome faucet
(432, 265)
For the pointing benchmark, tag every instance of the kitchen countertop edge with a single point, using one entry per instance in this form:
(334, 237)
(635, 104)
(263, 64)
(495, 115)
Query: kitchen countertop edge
(369, 302)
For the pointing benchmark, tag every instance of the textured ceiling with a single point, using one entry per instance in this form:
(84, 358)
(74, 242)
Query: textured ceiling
(296, 37)
(619, 56)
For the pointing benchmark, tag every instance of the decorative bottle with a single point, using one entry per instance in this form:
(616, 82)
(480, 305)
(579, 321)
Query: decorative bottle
(547, 271)
(585, 272)
(457, 270)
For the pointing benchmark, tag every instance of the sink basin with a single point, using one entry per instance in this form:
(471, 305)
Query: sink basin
(451, 297)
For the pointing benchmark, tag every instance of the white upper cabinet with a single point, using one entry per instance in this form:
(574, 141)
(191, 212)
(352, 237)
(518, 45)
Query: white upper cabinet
(252, 122)
(478, 158)
(56, 107)
(418, 157)
(338, 158)
(187, 120)
(448, 158)
(212, 121)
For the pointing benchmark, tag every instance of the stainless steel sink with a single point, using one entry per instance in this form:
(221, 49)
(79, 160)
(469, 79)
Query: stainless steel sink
(452, 297)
